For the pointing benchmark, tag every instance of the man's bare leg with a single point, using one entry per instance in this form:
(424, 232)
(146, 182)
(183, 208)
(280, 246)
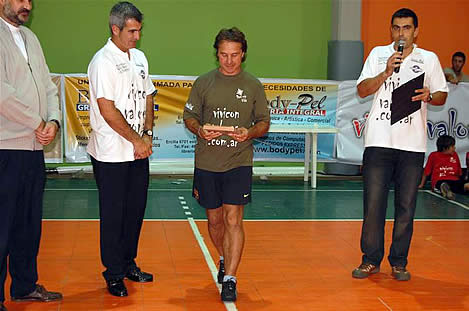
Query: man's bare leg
(216, 227)
(233, 242)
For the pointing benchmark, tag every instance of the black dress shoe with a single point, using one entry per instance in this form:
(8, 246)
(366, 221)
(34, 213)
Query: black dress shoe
(137, 275)
(2, 307)
(117, 288)
(39, 294)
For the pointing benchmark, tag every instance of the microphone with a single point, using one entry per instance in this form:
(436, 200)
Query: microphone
(400, 48)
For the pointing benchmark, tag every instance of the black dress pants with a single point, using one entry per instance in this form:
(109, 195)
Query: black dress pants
(22, 181)
(122, 188)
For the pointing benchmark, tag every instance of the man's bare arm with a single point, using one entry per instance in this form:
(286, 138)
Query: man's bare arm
(257, 130)
(371, 85)
(451, 78)
(438, 98)
(148, 125)
(149, 113)
(195, 127)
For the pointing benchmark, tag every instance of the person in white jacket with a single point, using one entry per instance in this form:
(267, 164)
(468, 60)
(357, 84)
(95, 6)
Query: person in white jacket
(29, 120)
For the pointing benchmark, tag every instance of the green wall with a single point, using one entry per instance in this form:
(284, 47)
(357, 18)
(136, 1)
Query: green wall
(286, 38)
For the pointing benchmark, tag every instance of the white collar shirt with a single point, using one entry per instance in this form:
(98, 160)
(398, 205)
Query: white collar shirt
(126, 82)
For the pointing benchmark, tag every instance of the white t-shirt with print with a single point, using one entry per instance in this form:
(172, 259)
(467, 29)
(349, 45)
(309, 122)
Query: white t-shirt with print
(409, 134)
(126, 82)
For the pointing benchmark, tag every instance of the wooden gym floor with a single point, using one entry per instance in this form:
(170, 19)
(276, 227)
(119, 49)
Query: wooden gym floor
(301, 246)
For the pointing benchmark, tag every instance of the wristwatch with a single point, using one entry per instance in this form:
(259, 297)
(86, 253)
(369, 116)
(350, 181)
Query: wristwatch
(148, 132)
(429, 98)
(56, 122)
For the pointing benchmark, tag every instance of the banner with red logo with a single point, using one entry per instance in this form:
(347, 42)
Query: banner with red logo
(450, 119)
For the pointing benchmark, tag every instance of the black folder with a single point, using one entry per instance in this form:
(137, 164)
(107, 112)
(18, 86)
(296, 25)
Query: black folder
(402, 105)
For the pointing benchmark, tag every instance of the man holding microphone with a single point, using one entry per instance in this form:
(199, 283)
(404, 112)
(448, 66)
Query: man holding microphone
(395, 152)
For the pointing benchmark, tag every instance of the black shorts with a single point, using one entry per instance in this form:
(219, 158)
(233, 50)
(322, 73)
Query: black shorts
(213, 189)
(456, 186)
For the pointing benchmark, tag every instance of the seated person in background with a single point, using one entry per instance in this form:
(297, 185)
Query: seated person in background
(455, 74)
(445, 168)
(466, 178)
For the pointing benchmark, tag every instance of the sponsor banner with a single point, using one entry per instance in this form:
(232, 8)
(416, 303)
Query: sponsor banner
(352, 112)
(449, 119)
(53, 153)
(171, 140)
(301, 101)
(298, 102)
(77, 119)
(284, 147)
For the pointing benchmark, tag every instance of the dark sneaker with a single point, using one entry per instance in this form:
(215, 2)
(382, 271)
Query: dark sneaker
(39, 294)
(446, 191)
(221, 271)
(137, 275)
(400, 273)
(228, 291)
(364, 270)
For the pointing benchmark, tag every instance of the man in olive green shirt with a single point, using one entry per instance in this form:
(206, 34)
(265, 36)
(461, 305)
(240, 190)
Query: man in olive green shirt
(226, 96)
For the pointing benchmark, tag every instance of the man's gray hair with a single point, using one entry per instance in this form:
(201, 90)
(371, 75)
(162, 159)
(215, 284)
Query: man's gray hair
(123, 11)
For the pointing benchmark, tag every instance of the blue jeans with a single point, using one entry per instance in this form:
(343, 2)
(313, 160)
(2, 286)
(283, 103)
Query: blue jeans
(381, 166)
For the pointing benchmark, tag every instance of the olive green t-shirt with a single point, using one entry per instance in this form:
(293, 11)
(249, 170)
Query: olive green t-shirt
(218, 99)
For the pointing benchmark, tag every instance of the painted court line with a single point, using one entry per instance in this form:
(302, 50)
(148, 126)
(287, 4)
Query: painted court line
(190, 189)
(230, 306)
(430, 239)
(263, 220)
(382, 301)
(269, 190)
(97, 219)
(450, 201)
(253, 190)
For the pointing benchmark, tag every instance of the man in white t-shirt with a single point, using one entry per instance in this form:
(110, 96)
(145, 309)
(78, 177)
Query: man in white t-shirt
(395, 153)
(121, 115)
